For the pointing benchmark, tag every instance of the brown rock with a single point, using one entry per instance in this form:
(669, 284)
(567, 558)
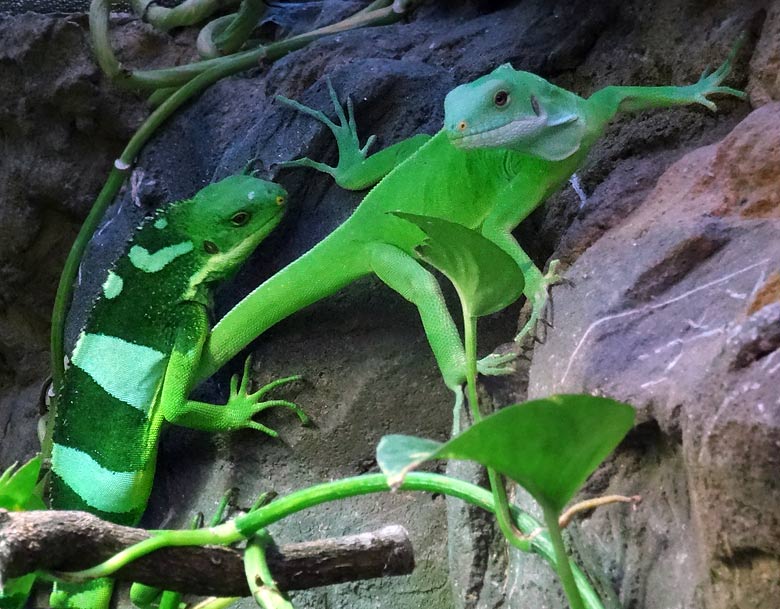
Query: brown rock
(675, 312)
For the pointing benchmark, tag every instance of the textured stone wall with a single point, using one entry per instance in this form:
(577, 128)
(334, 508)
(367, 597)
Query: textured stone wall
(674, 261)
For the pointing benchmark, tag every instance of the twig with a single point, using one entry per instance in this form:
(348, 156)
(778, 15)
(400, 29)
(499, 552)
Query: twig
(60, 540)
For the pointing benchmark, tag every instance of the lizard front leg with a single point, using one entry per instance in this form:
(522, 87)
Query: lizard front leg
(355, 170)
(517, 201)
(405, 275)
(537, 284)
(241, 406)
(604, 104)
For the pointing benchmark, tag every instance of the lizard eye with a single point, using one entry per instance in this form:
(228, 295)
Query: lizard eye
(240, 218)
(501, 98)
(535, 106)
(210, 247)
(280, 200)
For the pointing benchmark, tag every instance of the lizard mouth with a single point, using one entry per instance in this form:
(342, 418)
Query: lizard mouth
(524, 128)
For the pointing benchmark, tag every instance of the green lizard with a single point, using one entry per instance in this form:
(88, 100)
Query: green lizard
(509, 140)
(133, 364)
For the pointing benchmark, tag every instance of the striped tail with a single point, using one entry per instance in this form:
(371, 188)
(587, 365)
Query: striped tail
(102, 459)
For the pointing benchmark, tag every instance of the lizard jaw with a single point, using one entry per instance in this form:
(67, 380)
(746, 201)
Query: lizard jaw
(503, 136)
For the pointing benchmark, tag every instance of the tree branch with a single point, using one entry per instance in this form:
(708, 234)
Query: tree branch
(68, 541)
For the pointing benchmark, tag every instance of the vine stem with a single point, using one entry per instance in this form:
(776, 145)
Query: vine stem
(258, 573)
(516, 537)
(503, 514)
(562, 564)
(380, 14)
(245, 526)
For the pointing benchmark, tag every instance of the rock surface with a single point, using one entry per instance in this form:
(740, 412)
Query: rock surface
(677, 311)
(674, 308)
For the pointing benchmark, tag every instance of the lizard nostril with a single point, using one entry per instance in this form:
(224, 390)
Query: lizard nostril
(462, 126)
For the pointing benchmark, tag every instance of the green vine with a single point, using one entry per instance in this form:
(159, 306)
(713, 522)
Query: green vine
(245, 526)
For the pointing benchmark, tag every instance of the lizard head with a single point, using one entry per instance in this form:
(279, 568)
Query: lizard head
(517, 111)
(227, 220)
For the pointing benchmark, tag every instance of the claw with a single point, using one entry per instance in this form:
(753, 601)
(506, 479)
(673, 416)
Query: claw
(497, 364)
(263, 499)
(274, 384)
(316, 114)
(306, 162)
(351, 115)
(286, 404)
(228, 497)
(263, 428)
(249, 168)
(569, 283)
(709, 82)
(247, 370)
(371, 139)
(336, 103)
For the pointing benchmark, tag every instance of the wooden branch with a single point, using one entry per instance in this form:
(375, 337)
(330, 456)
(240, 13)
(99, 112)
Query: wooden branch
(70, 541)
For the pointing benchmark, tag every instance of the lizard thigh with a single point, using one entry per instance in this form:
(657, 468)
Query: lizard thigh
(406, 276)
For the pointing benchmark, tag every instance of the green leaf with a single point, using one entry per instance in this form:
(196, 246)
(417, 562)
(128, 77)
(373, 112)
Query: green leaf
(486, 277)
(18, 488)
(16, 591)
(548, 446)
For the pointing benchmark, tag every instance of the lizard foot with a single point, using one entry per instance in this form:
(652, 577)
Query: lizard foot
(243, 405)
(351, 154)
(709, 84)
(541, 311)
(497, 364)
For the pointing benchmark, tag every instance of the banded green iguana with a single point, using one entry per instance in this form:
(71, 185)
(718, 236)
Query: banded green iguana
(133, 364)
(510, 139)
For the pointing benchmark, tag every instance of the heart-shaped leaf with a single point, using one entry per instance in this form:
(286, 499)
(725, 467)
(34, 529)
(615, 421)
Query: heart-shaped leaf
(548, 446)
(486, 277)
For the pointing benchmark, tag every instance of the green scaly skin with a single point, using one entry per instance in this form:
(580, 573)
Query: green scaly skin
(510, 139)
(134, 362)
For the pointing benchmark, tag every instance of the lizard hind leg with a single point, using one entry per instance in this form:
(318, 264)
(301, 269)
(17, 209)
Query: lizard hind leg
(405, 275)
